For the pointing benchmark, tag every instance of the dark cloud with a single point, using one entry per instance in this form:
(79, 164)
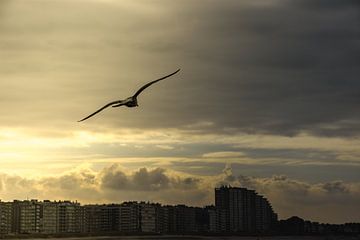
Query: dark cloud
(297, 76)
(277, 69)
(327, 4)
(151, 180)
(280, 67)
(145, 180)
(114, 179)
(336, 187)
(109, 185)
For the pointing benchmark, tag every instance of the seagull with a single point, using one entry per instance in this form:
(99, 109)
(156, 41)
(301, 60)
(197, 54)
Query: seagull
(130, 101)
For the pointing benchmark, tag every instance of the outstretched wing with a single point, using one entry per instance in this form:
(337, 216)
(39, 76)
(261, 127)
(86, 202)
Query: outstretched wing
(99, 110)
(150, 83)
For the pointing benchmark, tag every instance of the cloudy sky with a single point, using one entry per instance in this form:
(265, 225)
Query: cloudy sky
(267, 98)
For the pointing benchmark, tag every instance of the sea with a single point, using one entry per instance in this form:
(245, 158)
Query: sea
(206, 238)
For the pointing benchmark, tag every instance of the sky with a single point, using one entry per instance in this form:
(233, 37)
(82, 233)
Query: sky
(267, 98)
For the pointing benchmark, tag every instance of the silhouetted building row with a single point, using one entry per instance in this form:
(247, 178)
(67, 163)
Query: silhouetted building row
(48, 217)
(32, 216)
(236, 211)
(298, 226)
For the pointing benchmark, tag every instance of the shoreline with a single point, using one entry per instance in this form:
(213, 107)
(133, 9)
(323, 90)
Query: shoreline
(174, 237)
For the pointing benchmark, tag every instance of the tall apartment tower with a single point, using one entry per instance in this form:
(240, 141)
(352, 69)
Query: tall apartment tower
(266, 218)
(129, 217)
(48, 217)
(69, 217)
(101, 218)
(149, 217)
(26, 216)
(242, 210)
(185, 219)
(5, 217)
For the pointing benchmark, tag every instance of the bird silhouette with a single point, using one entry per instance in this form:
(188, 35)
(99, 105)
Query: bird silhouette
(130, 101)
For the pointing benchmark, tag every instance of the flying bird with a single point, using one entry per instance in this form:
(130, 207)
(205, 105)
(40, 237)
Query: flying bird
(130, 101)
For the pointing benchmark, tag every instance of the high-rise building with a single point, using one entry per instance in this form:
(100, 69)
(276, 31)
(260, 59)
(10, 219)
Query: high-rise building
(222, 204)
(162, 219)
(101, 218)
(129, 217)
(242, 210)
(185, 219)
(92, 218)
(111, 217)
(5, 217)
(211, 210)
(265, 216)
(178, 219)
(48, 217)
(25, 216)
(69, 217)
(149, 217)
(201, 220)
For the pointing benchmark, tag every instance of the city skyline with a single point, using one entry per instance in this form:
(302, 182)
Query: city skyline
(267, 98)
(49, 217)
(236, 211)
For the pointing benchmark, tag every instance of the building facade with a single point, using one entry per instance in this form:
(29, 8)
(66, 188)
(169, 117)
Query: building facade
(129, 221)
(101, 218)
(240, 210)
(149, 217)
(5, 217)
(25, 216)
(48, 217)
(68, 217)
